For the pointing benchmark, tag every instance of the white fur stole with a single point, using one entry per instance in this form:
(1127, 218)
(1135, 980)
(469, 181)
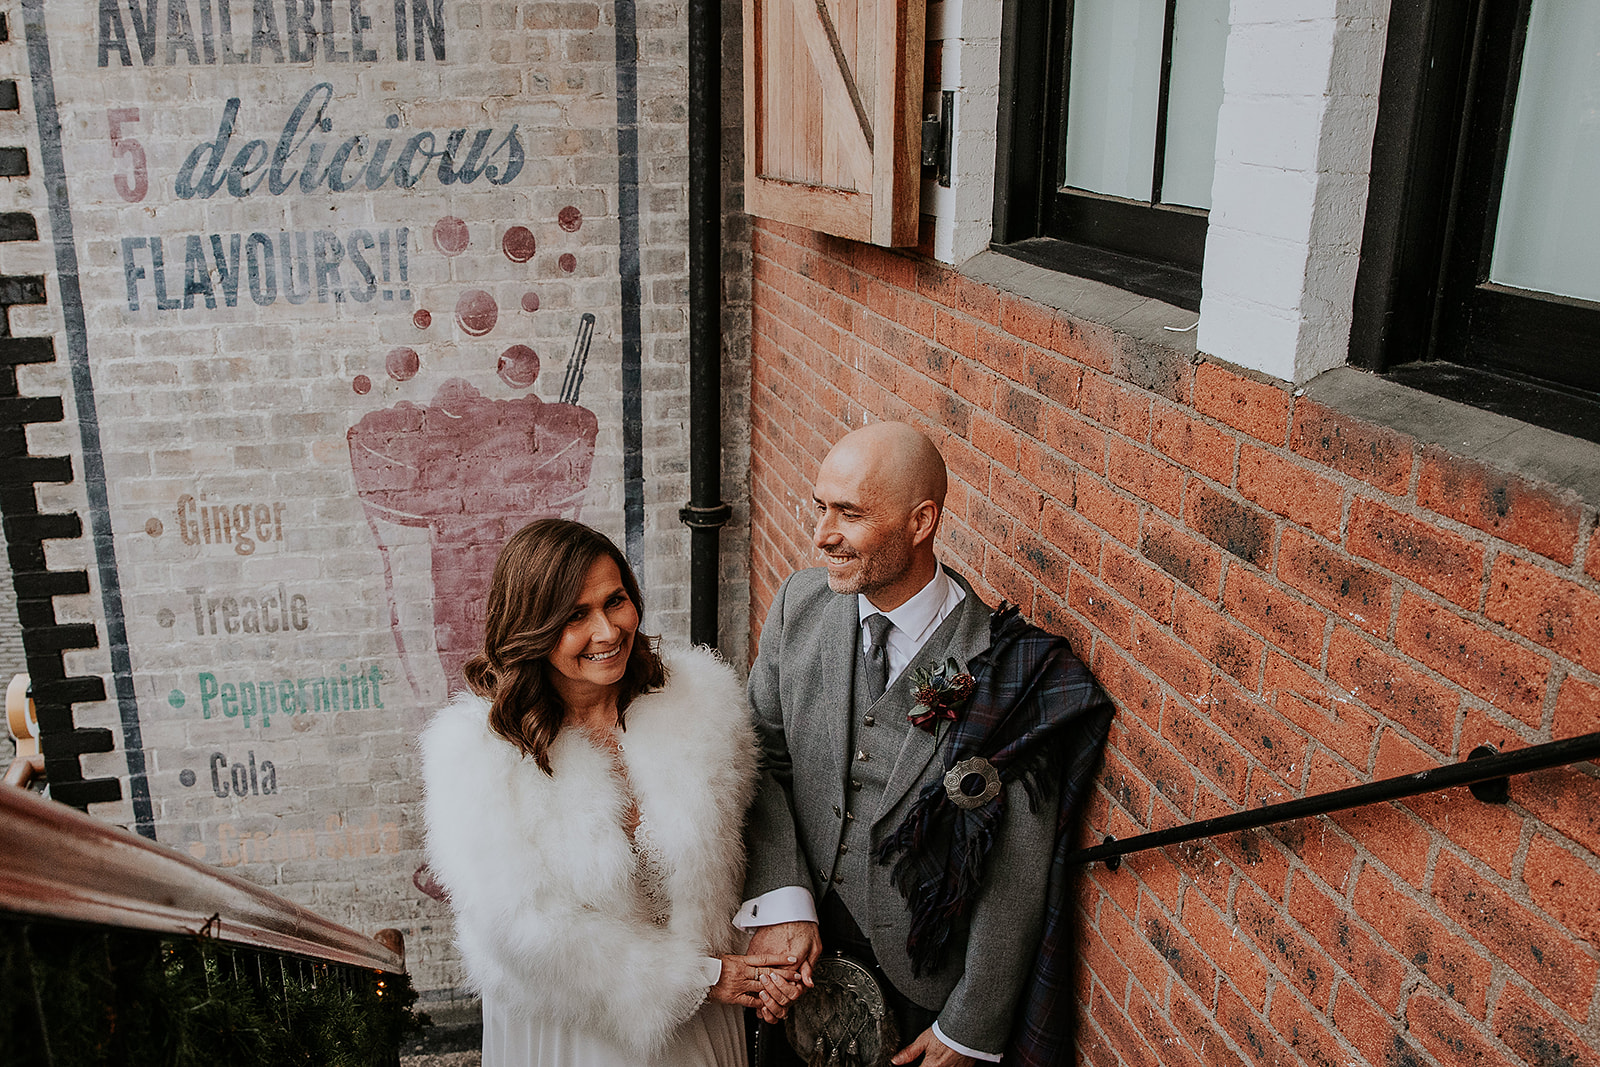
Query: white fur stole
(539, 869)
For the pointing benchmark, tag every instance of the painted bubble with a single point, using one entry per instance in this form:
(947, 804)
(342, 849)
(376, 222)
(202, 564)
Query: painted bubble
(568, 262)
(422, 318)
(530, 301)
(518, 244)
(569, 219)
(450, 235)
(476, 312)
(402, 364)
(153, 527)
(361, 384)
(519, 366)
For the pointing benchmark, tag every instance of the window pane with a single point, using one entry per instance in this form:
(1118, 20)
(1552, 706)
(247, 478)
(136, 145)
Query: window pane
(1111, 96)
(1549, 223)
(1194, 96)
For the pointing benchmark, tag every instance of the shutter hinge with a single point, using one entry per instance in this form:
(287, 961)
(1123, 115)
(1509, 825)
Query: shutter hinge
(938, 131)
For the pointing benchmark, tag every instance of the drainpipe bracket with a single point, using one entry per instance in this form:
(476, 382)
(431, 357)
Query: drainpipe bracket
(711, 518)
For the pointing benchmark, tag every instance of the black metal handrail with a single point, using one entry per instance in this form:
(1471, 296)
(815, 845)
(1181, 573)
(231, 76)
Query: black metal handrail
(1483, 767)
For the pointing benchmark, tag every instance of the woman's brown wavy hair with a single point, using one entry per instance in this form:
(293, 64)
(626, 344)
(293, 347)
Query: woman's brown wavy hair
(537, 579)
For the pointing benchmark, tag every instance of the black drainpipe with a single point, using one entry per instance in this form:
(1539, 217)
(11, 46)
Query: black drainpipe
(705, 514)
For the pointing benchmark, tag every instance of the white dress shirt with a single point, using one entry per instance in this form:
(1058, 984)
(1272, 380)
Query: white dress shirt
(911, 624)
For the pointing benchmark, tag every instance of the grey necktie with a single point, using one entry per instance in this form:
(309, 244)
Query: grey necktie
(878, 655)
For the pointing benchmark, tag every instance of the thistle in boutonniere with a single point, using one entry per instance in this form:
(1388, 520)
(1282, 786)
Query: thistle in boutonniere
(940, 694)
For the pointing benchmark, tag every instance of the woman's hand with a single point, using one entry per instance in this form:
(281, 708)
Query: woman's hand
(766, 982)
(798, 942)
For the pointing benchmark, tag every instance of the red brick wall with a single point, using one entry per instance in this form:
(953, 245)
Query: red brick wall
(1283, 600)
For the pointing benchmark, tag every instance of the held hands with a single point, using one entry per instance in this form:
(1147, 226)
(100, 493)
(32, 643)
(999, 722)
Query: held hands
(755, 981)
(780, 961)
(800, 944)
(934, 1053)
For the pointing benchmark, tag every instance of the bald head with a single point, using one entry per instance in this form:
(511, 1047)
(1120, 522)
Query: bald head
(896, 459)
(878, 499)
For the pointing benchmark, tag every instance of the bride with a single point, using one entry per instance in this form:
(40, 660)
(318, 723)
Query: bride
(584, 806)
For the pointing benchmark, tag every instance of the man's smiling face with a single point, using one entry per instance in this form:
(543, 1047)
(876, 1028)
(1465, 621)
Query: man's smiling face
(863, 530)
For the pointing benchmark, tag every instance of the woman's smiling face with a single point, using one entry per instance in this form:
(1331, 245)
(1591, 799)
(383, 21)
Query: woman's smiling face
(593, 651)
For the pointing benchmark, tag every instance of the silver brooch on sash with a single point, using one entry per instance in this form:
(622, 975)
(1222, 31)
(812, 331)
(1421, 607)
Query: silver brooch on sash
(972, 783)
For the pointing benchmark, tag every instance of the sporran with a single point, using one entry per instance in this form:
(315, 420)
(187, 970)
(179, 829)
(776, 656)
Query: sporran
(845, 1019)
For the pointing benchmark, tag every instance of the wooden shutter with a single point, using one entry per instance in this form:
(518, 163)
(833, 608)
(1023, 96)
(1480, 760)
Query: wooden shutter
(833, 95)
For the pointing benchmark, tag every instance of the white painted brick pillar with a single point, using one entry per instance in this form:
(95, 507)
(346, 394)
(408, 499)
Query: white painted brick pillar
(1294, 148)
(970, 66)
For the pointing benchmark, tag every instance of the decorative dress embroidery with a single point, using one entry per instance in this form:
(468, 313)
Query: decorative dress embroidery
(649, 869)
(650, 875)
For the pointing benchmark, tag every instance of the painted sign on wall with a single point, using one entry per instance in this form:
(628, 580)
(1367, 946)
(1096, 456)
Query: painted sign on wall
(357, 286)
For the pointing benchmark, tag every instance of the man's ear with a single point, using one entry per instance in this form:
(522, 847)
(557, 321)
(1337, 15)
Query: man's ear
(924, 522)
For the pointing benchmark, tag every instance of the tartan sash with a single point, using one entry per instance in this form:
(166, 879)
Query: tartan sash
(1039, 717)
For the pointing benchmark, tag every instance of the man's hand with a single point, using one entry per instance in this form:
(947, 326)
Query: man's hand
(797, 942)
(755, 981)
(934, 1053)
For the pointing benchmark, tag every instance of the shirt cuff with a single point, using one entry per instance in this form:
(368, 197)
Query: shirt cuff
(711, 970)
(956, 1046)
(789, 904)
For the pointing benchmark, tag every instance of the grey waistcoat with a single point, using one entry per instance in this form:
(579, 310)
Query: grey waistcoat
(878, 738)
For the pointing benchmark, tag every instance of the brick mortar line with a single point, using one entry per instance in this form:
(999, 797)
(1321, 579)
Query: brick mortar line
(1349, 485)
(1415, 977)
(1293, 408)
(1437, 837)
(1253, 762)
(1412, 479)
(1421, 894)
(1282, 586)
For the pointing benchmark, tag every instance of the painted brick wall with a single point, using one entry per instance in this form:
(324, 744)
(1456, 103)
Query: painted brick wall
(1283, 600)
(218, 363)
(12, 659)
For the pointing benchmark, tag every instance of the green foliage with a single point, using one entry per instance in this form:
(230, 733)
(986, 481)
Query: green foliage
(78, 995)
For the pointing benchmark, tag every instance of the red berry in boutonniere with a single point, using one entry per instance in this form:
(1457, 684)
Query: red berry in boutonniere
(940, 692)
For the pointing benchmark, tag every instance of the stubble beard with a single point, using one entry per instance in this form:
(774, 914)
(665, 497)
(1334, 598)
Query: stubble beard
(882, 568)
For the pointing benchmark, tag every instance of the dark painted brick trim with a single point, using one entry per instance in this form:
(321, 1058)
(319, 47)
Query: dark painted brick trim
(18, 226)
(44, 639)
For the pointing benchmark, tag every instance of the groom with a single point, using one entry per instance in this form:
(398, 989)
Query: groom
(844, 768)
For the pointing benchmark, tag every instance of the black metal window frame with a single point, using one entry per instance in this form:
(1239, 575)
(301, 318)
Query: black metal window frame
(1425, 312)
(1149, 248)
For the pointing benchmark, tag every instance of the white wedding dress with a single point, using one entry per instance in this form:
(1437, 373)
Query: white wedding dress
(712, 1037)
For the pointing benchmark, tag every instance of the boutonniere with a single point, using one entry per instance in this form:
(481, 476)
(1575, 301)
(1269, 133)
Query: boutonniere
(940, 693)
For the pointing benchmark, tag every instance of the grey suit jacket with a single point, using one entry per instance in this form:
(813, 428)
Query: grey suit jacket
(800, 694)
